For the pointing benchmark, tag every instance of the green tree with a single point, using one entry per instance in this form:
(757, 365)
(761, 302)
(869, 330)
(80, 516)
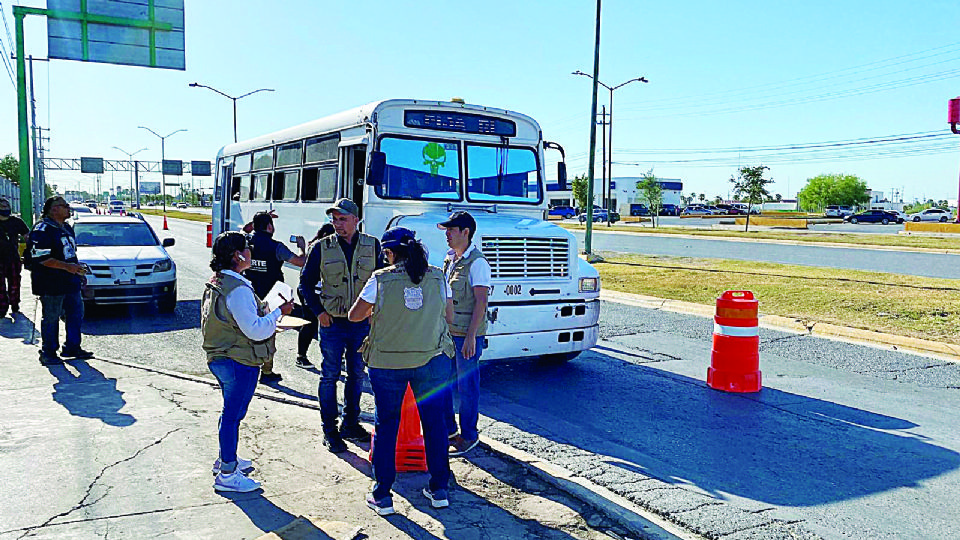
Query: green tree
(825, 189)
(652, 192)
(10, 168)
(702, 197)
(751, 185)
(579, 190)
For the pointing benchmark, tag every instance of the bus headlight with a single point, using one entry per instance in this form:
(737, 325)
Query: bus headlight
(163, 266)
(589, 284)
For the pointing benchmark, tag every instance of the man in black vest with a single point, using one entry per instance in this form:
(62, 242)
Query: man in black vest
(266, 268)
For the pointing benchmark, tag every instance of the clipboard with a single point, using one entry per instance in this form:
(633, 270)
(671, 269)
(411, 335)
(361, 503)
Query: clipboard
(288, 322)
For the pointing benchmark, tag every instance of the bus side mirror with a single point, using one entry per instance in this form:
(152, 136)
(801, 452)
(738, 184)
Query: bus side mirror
(562, 175)
(378, 164)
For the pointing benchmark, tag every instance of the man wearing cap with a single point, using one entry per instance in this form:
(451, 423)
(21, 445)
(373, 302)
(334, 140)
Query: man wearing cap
(266, 269)
(12, 229)
(468, 273)
(337, 267)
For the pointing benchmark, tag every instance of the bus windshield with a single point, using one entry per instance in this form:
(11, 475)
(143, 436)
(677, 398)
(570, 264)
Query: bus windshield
(420, 169)
(502, 174)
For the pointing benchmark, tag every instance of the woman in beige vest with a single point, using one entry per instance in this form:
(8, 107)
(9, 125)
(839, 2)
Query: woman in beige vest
(409, 305)
(237, 337)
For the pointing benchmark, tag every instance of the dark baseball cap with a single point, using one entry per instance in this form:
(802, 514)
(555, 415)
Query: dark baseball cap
(261, 220)
(461, 220)
(344, 206)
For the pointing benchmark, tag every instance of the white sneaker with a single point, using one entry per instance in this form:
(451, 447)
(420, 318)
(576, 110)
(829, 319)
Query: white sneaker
(235, 481)
(244, 465)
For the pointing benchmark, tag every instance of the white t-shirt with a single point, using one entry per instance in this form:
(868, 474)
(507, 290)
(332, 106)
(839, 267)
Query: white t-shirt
(480, 275)
(369, 292)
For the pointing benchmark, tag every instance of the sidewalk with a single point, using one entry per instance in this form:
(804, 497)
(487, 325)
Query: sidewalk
(96, 449)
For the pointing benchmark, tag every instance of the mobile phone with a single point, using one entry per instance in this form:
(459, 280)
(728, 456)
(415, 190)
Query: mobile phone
(293, 239)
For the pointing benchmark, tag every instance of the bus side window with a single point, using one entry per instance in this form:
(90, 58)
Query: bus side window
(243, 193)
(261, 187)
(285, 185)
(319, 184)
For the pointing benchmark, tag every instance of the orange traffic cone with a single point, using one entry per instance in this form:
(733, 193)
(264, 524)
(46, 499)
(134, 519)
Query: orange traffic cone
(165, 223)
(411, 454)
(209, 234)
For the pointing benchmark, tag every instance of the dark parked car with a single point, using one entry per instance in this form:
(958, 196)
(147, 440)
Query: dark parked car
(566, 212)
(599, 214)
(669, 210)
(731, 210)
(874, 216)
(639, 210)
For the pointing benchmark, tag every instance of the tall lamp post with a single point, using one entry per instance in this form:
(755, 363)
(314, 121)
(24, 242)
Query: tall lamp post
(132, 175)
(234, 99)
(954, 120)
(163, 157)
(610, 129)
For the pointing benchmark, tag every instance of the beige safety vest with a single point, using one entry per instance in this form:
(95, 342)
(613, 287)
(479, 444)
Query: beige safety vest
(407, 326)
(463, 297)
(222, 337)
(340, 286)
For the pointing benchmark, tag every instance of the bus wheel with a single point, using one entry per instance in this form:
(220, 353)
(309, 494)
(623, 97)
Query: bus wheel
(557, 359)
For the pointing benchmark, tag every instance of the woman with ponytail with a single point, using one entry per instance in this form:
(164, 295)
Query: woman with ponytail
(238, 334)
(409, 305)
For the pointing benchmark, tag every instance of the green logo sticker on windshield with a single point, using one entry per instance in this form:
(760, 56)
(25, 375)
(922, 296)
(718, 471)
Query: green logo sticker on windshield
(435, 156)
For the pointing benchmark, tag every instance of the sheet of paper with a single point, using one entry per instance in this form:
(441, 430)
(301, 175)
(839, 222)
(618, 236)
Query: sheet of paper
(279, 294)
(289, 321)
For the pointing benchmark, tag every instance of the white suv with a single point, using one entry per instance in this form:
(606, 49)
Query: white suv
(126, 262)
(835, 210)
(932, 214)
(115, 207)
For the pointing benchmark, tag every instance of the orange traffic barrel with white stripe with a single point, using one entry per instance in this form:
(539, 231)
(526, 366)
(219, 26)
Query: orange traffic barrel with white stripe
(209, 234)
(735, 358)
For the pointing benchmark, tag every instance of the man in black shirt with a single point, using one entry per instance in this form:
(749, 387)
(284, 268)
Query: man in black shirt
(56, 276)
(12, 229)
(266, 269)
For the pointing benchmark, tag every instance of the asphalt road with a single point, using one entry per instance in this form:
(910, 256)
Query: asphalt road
(937, 265)
(840, 435)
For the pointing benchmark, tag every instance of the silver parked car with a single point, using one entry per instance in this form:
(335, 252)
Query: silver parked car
(932, 214)
(126, 262)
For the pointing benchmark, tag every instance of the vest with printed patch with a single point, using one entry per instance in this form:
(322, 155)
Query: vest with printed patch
(222, 337)
(407, 326)
(340, 286)
(463, 297)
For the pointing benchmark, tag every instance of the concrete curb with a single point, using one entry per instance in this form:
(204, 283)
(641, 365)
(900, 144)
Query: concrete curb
(632, 517)
(945, 351)
(783, 242)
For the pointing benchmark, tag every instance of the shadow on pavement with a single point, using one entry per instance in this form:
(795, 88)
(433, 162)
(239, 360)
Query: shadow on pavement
(89, 394)
(772, 446)
(140, 319)
(265, 515)
(19, 326)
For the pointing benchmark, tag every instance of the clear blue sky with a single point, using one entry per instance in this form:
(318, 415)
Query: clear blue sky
(723, 75)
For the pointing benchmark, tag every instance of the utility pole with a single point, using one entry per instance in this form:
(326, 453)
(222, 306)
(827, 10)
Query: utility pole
(592, 155)
(603, 165)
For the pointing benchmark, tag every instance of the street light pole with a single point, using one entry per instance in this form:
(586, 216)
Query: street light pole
(234, 99)
(130, 159)
(609, 174)
(163, 157)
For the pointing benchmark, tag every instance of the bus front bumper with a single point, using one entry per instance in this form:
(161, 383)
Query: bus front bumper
(518, 331)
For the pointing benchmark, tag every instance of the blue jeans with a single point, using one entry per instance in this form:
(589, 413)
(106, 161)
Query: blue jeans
(465, 382)
(389, 387)
(341, 338)
(69, 305)
(237, 384)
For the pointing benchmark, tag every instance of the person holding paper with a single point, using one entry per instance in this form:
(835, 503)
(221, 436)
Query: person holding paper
(238, 337)
(266, 269)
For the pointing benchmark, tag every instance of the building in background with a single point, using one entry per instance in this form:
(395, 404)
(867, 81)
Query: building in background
(623, 193)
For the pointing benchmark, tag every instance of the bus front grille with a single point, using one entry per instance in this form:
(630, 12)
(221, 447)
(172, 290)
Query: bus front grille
(519, 257)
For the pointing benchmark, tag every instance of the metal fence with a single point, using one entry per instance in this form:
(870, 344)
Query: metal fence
(11, 192)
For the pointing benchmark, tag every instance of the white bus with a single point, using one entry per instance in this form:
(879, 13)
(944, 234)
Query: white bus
(410, 163)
